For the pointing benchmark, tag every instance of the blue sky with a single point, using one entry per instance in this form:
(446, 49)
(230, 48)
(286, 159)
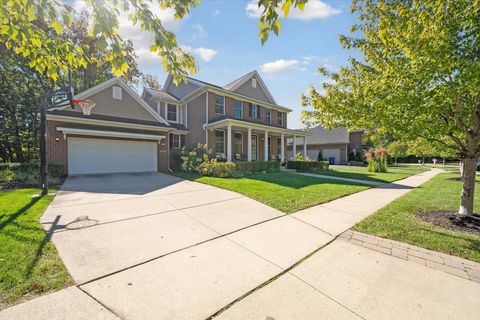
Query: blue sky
(223, 35)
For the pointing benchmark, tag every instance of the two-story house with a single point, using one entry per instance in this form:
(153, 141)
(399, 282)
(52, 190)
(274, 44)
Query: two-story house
(126, 132)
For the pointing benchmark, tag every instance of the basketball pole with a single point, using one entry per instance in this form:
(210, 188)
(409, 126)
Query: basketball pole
(65, 92)
(43, 145)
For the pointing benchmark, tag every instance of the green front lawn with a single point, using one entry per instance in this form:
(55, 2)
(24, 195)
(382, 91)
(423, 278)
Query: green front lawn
(29, 263)
(398, 221)
(393, 174)
(284, 191)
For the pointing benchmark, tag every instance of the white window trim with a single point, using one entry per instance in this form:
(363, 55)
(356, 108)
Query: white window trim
(215, 107)
(177, 115)
(179, 141)
(224, 141)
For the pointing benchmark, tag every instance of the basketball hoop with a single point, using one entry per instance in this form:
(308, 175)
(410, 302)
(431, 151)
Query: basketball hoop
(85, 104)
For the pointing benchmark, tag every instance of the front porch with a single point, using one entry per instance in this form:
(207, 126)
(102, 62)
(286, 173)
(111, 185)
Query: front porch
(237, 140)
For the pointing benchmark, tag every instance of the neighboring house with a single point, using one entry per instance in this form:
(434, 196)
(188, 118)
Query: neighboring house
(126, 132)
(335, 144)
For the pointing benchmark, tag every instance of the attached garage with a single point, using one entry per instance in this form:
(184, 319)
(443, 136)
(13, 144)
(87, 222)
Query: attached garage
(331, 153)
(89, 155)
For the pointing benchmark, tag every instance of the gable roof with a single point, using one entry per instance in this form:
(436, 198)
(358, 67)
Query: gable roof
(161, 94)
(116, 81)
(320, 135)
(235, 84)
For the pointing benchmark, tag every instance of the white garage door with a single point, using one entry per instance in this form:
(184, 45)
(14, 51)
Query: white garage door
(108, 156)
(331, 153)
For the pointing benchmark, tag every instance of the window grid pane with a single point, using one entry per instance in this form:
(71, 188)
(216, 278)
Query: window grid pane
(237, 109)
(268, 116)
(219, 142)
(171, 112)
(220, 104)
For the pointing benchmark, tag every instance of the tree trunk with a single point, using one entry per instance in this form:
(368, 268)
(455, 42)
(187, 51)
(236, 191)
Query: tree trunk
(444, 161)
(468, 189)
(395, 160)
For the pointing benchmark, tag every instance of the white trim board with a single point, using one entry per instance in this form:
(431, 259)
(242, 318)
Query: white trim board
(115, 134)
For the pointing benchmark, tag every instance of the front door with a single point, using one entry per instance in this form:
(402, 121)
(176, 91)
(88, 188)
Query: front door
(254, 147)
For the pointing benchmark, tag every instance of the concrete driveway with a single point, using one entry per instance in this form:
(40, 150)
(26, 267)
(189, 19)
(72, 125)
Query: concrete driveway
(105, 223)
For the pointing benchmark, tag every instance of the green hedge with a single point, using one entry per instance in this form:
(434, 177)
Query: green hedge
(257, 166)
(307, 165)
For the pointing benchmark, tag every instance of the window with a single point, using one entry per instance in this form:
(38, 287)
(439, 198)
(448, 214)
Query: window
(220, 141)
(238, 143)
(279, 146)
(220, 104)
(117, 93)
(254, 83)
(172, 114)
(176, 141)
(238, 109)
(280, 116)
(268, 116)
(253, 110)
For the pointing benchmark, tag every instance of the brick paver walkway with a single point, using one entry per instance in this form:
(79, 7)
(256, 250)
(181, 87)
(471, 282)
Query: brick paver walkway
(457, 266)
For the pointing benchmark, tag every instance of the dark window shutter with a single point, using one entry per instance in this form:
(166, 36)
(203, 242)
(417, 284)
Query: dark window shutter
(170, 140)
(258, 112)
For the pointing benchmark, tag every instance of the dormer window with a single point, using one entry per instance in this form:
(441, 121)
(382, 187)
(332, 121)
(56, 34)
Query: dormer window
(254, 83)
(172, 113)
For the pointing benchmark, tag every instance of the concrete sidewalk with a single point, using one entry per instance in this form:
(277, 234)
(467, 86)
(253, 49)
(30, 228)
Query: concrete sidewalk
(260, 271)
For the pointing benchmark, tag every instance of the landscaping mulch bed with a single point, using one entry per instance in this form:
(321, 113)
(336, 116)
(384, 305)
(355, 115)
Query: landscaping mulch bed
(449, 220)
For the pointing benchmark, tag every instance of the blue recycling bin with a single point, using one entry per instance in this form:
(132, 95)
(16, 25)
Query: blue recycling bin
(331, 160)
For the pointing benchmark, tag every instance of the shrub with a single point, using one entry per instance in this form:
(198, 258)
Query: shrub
(307, 165)
(27, 172)
(320, 156)
(299, 157)
(248, 167)
(6, 175)
(223, 169)
(191, 160)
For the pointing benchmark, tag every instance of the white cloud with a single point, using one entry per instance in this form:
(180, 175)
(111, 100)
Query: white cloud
(216, 12)
(278, 65)
(314, 9)
(206, 54)
(199, 32)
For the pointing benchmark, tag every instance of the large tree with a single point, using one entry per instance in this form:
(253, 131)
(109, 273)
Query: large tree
(419, 77)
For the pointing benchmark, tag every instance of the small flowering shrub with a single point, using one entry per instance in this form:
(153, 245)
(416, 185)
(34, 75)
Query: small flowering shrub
(191, 160)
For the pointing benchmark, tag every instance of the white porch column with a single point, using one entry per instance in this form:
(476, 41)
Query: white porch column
(249, 145)
(265, 151)
(294, 147)
(229, 143)
(282, 148)
(305, 148)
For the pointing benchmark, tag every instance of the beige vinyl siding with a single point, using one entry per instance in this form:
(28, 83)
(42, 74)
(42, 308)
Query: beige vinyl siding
(128, 107)
(257, 93)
